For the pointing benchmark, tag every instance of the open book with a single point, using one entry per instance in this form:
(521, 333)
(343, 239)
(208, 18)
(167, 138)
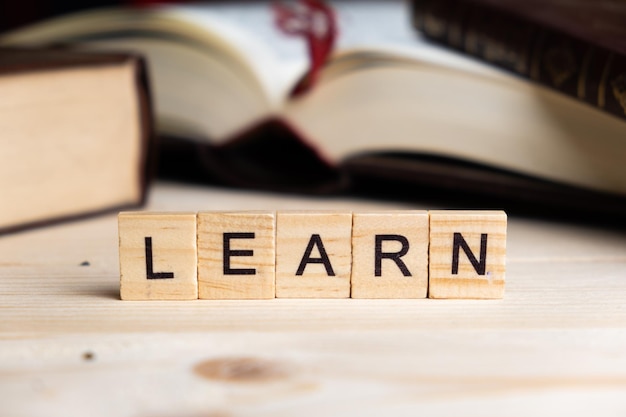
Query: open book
(387, 104)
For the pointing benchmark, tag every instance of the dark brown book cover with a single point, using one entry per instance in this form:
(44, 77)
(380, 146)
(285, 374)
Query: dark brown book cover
(37, 60)
(577, 47)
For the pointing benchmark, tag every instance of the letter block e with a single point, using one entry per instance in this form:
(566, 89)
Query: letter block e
(236, 255)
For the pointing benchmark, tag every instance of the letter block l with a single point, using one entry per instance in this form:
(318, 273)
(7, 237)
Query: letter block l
(157, 256)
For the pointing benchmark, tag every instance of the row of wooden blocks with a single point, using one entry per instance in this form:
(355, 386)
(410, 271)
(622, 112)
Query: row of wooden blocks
(301, 254)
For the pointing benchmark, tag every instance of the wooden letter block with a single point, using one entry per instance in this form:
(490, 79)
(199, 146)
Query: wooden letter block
(313, 254)
(467, 254)
(158, 256)
(236, 257)
(390, 254)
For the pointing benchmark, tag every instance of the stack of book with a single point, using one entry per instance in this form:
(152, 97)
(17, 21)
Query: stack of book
(390, 112)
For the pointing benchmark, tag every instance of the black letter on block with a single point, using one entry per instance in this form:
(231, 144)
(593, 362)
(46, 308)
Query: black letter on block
(460, 242)
(394, 256)
(150, 274)
(323, 259)
(228, 253)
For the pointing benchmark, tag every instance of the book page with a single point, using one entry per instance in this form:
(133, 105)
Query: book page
(238, 47)
(385, 26)
(211, 75)
(71, 142)
(277, 60)
(280, 60)
(411, 107)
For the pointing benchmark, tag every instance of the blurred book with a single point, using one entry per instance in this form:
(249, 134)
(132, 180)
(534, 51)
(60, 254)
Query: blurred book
(388, 108)
(576, 47)
(75, 134)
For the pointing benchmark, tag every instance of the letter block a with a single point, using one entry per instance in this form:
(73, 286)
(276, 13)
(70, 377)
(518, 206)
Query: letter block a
(467, 254)
(390, 254)
(157, 256)
(236, 255)
(313, 254)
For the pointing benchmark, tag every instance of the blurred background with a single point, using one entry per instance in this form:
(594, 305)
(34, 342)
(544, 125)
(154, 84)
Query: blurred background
(256, 160)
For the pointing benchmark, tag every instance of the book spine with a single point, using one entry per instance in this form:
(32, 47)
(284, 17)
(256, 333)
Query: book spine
(587, 72)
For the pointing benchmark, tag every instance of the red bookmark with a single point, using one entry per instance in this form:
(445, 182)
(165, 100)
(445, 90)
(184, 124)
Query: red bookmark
(316, 22)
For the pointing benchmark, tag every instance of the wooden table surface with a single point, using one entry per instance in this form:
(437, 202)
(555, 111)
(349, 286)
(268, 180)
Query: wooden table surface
(555, 345)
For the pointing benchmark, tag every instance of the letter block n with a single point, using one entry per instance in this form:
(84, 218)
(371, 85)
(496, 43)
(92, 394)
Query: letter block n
(467, 254)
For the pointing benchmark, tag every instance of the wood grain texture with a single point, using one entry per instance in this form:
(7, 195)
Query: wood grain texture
(556, 344)
(313, 254)
(467, 254)
(404, 233)
(247, 275)
(158, 256)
